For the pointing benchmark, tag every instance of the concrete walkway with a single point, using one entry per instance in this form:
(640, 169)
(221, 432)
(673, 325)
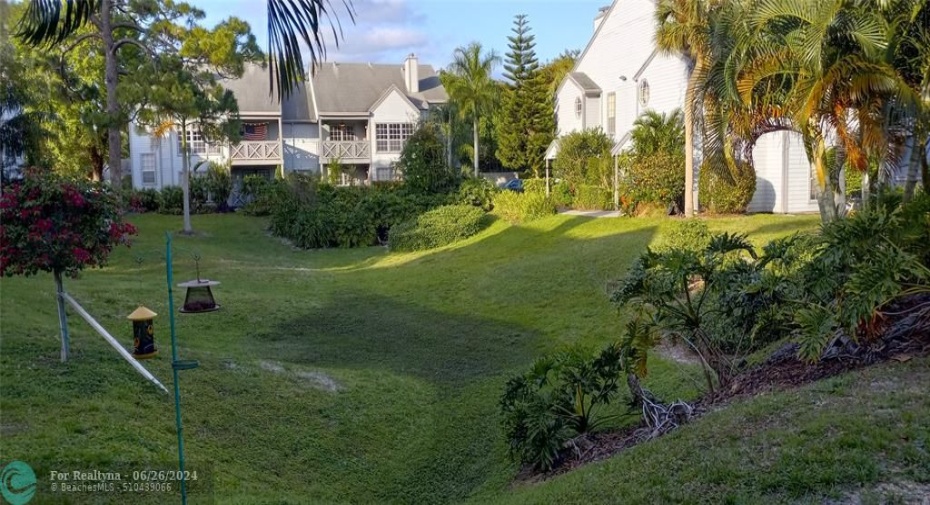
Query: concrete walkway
(592, 213)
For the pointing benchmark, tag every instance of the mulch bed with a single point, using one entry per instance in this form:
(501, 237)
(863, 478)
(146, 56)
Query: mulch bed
(894, 338)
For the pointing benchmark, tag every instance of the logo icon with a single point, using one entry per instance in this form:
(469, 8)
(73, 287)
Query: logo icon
(17, 483)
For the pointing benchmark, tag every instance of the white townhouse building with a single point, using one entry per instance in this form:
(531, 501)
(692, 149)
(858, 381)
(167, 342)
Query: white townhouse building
(356, 114)
(621, 74)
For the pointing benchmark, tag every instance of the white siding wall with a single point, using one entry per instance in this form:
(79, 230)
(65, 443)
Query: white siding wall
(782, 175)
(566, 120)
(767, 161)
(302, 146)
(631, 27)
(393, 109)
(799, 175)
(592, 113)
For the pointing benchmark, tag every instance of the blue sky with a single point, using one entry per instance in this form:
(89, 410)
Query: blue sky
(387, 30)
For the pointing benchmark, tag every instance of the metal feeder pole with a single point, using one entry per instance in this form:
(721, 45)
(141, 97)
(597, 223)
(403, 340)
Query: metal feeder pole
(176, 365)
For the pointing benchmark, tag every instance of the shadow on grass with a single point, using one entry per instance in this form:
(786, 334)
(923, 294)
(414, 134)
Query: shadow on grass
(786, 225)
(359, 330)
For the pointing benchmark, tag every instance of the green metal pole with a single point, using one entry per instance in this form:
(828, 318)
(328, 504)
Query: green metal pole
(174, 369)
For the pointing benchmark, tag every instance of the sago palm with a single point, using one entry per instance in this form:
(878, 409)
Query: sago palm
(471, 87)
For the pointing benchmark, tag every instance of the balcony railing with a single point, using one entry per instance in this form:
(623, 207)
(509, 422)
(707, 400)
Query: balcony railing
(346, 150)
(256, 152)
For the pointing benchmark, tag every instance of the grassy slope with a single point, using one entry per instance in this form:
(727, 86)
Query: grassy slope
(418, 344)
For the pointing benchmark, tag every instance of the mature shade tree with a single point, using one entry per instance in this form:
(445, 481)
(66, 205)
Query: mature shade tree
(185, 92)
(526, 123)
(292, 28)
(683, 28)
(471, 88)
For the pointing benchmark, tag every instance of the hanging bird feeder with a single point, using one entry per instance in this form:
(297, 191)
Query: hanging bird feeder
(199, 297)
(143, 333)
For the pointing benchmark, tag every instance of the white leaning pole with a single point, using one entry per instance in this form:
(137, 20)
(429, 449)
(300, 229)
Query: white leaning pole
(112, 341)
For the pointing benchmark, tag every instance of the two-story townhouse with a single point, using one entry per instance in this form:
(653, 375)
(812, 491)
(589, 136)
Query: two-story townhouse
(621, 74)
(355, 115)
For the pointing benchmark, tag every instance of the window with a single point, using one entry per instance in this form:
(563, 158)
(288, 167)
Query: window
(644, 93)
(196, 143)
(147, 164)
(611, 113)
(578, 107)
(390, 137)
(342, 132)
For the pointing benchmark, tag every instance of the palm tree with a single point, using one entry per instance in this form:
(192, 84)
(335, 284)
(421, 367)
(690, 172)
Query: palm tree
(683, 27)
(471, 87)
(658, 132)
(834, 53)
(292, 24)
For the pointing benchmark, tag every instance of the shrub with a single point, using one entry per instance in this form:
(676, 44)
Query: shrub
(423, 162)
(559, 398)
(140, 200)
(219, 185)
(862, 264)
(479, 192)
(657, 179)
(584, 158)
(52, 224)
(691, 235)
(590, 197)
(535, 185)
(314, 215)
(260, 195)
(522, 207)
(721, 196)
(436, 228)
(171, 200)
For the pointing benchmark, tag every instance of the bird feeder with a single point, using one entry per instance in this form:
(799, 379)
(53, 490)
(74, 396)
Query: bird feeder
(143, 333)
(199, 297)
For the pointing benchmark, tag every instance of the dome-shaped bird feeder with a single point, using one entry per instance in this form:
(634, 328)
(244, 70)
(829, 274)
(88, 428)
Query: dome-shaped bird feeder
(199, 297)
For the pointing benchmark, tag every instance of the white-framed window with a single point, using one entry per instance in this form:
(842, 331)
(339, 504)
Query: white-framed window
(390, 137)
(147, 166)
(342, 132)
(611, 113)
(196, 143)
(578, 107)
(644, 93)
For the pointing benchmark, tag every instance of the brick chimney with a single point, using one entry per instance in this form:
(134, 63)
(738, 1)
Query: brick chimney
(412, 74)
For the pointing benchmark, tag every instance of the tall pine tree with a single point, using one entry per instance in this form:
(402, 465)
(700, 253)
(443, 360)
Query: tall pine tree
(526, 124)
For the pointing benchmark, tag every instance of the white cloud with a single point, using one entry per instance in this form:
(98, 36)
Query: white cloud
(384, 31)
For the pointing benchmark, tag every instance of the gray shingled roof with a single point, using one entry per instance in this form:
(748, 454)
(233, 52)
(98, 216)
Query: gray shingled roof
(584, 81)
(355, 87)
(299, 105)
(251, 91)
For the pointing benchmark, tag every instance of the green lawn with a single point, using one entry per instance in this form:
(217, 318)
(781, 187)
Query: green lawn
(360, 376)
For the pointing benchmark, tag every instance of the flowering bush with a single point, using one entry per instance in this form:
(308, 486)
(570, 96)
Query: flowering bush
(52, 224)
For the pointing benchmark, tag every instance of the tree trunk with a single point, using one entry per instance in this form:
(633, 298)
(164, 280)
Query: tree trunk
(185, 178)
(689, 137)
(925, 165)
(866, 189)
(96, 169)
(475, 156)
(912, 164)
(111, 79)
(62, 317)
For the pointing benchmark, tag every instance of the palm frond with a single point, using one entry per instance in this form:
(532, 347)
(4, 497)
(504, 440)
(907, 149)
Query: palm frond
(292, 26)
(48, 22)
